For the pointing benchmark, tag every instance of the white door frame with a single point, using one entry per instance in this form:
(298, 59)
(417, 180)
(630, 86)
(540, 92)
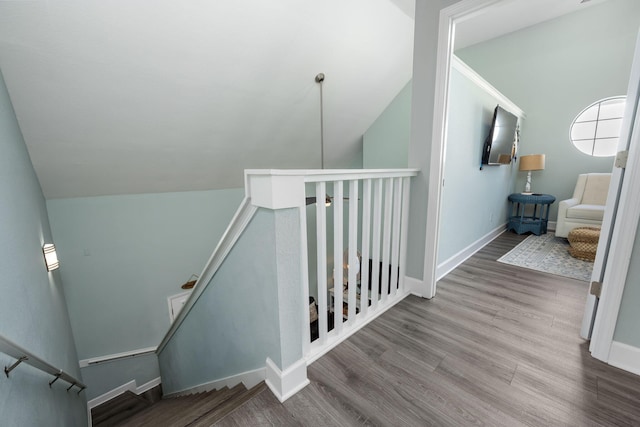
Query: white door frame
(614, 194)
(458, 12)
(624, 230)
(629, 207)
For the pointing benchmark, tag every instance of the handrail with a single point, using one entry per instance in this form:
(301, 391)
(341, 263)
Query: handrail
(14, 350)
(237, 225)
(318, 175)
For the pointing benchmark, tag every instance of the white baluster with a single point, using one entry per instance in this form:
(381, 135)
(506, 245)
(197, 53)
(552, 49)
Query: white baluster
(386, 236)
(321, 236)
(337, 204)
(395, 235)
(353, 249)
(375, 249)
(366, 233)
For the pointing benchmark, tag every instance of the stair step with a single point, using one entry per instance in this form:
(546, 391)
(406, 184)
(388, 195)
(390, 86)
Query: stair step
(202, 409)
(228, 406)
(117, 409)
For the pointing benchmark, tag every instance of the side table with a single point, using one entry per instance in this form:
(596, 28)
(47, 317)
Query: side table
(536, 222)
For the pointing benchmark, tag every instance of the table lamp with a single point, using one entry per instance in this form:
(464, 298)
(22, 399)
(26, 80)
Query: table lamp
(531, 162)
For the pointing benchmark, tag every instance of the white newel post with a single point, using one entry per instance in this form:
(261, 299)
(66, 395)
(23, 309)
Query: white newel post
(286, 373)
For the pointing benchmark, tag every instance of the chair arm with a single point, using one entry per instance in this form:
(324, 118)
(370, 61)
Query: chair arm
(565, 205)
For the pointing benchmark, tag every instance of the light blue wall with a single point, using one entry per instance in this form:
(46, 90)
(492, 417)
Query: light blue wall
(235, 324)
(106, 376)
(33, 311)
(553, 71)
(627, 330)
(122, 256)
(386, 142)
(474, 201)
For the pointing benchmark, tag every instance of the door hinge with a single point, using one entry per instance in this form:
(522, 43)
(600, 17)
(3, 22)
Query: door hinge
(621, 159)
(596, 289)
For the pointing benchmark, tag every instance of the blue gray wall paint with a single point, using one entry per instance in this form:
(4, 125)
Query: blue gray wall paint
(474, 201)
(553, 71)
(627, 330)
(122, 256)
(106, 376)
(234, 325)
(471, 112)
(386, 142)
(33, 310)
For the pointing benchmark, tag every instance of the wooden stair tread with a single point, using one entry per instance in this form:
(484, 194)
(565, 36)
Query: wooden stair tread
(202, 409)
(228, 406)
(119, 408)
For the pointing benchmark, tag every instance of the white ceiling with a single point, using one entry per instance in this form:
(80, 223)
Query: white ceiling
(137, 96)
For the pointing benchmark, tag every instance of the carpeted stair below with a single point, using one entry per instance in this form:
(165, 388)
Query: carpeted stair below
(194, 410)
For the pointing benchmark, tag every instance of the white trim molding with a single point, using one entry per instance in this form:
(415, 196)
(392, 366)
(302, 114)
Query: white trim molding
(116, 356)
(449, 16)
(249, 378)
(477, 79)
(284, 384)
(414, 286)
(450, 264)
(624, 229)
(111, 394)
(625, 357)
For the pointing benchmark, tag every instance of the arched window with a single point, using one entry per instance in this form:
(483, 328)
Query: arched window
(596, 130)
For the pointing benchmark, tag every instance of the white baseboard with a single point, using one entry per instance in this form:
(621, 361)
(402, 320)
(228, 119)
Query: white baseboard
(249, 378)
(130, 386)
(551, 225)
(111, 394)
(625, 357)
(284, 384)
(109, 357)
(414, 286)
(450, 264)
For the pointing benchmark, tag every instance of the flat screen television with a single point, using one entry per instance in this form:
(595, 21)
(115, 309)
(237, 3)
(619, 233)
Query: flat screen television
(499, 145)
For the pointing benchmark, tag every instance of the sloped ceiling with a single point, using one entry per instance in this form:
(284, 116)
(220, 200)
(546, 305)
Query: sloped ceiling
(137, 96)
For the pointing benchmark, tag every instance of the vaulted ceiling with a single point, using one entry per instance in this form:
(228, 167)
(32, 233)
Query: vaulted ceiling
(133, 96)
(138, 96)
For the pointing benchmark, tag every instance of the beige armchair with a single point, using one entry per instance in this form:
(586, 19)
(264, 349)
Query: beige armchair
(586, 207)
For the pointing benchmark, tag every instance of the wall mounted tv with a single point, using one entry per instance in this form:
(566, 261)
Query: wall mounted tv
(499, 147)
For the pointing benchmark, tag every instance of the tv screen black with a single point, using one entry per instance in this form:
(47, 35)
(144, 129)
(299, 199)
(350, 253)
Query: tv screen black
(498, 147)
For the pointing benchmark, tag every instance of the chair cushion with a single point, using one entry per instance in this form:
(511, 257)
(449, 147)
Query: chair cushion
(591, 212)
(596, 189)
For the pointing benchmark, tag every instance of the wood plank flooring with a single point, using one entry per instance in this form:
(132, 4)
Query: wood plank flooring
(498, 346)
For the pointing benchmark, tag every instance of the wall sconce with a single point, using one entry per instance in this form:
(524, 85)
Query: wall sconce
(50, 256)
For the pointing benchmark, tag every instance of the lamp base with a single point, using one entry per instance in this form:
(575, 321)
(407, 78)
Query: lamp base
(526, 193)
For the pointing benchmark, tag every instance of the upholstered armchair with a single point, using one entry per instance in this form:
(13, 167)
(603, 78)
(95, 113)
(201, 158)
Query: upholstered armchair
(586, 207)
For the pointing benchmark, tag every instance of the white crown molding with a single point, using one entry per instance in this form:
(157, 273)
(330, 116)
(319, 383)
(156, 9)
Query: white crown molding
(477, 79)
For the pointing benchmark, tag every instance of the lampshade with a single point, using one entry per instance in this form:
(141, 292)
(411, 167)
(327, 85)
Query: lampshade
(532, 162)
(50, 256)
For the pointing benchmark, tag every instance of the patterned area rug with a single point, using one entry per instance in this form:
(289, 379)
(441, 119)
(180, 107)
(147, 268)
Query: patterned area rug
(550, 254)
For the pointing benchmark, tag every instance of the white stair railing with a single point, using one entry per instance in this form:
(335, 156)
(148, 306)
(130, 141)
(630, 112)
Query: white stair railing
(376, 228)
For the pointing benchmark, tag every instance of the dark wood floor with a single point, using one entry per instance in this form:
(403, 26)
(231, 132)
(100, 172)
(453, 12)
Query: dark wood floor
(497, 346)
